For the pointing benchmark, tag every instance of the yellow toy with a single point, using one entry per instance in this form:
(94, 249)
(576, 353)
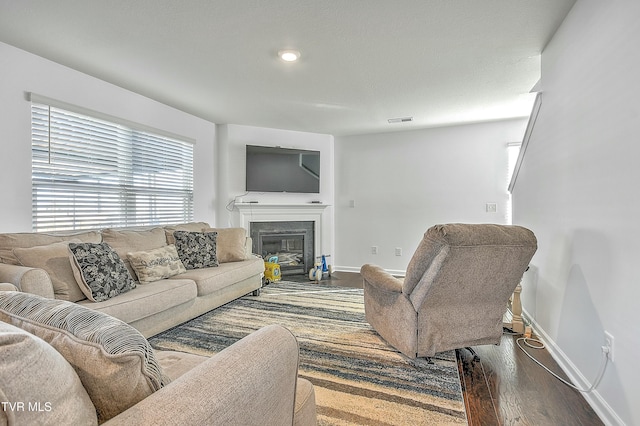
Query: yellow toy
(272, 270)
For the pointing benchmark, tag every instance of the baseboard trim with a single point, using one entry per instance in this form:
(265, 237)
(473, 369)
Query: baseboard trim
(594, 399)
(394, 272)
(346, 269)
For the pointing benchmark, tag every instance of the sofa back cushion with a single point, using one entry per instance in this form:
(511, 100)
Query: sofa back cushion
(115, 363)
(230, 244)
(191, 227)
(37, 385)
(124, 241)
(8, 242)
(54, 259)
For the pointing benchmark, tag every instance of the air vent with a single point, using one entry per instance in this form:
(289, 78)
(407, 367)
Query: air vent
(400, 120)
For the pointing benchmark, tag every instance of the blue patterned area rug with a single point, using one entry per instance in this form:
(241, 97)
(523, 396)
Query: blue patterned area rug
(358, 378)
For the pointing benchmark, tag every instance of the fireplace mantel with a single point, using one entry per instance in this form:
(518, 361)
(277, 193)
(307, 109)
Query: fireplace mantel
(267, 212)
(305, 206)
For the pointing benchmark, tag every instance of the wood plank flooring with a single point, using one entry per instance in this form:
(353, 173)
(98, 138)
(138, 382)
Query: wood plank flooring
(505, 387)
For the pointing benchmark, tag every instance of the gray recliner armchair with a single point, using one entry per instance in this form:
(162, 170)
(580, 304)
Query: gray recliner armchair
(455, 291)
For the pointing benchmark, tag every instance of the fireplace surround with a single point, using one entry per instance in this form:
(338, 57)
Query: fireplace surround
(291, 241)
(313, 213)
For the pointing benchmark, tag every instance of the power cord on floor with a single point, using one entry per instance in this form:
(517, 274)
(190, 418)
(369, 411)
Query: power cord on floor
(538, 344)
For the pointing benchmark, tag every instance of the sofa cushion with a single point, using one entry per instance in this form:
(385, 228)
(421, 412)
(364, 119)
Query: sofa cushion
(8, 242)
(99, 271)
(124, 241)
(115, 363)
(34, 374)
(146, 300)
(191, 227)
(196, 249)
(156, 264)
(209, 280)
(175, 364)
(54, 259)
(230, 244)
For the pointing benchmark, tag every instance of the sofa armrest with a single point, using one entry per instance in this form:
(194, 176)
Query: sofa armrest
(28, 280)
(252, 382)
(8, 287)
(381, 279)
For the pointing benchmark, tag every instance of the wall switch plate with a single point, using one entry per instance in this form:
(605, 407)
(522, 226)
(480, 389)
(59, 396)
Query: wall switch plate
(492, 207)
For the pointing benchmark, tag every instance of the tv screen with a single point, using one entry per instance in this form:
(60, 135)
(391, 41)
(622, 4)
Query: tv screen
(275, 169)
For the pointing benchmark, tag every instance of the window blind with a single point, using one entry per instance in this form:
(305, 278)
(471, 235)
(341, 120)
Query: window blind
(88, 172)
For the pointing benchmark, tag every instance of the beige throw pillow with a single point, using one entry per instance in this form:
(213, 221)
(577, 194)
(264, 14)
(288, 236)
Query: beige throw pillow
(230, 244)
(115, 363)
(154, 265)
(37, 385)
(54, 259)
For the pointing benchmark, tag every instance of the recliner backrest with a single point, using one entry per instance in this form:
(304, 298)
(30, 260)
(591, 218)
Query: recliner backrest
(483, 261)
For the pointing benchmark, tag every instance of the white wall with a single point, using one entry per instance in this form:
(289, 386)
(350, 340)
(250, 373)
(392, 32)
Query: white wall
(578, 191)
(231, 177)
(22, 72)
(402, 183)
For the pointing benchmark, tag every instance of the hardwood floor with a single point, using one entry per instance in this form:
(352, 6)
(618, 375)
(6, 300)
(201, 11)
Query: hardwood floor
(505, 387)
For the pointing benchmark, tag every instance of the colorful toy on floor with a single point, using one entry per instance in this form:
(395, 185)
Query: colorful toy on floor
(320, 269)
(272, 270)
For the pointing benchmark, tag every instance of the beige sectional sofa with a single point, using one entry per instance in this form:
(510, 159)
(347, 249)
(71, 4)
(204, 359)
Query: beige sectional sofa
(64, 364)
(39, 264)
(69, 360)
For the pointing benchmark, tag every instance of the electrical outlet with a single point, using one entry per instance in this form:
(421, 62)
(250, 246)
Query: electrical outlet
(492, 207)
(374, 249)
(398, 251)
(608, 342)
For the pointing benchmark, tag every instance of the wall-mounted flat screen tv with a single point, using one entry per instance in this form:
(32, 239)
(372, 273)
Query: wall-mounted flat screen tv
(276, 169)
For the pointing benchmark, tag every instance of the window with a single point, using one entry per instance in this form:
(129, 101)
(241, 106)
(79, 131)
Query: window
(513, 150)
(88, 172)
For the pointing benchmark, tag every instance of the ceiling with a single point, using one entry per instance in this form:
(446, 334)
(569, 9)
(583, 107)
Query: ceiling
(362, 62)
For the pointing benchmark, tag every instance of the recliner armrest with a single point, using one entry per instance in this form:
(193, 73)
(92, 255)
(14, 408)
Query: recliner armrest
(381, 279)
(252, 382)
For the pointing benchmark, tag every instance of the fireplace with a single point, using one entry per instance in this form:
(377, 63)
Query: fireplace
(317, 238)
(291, 241)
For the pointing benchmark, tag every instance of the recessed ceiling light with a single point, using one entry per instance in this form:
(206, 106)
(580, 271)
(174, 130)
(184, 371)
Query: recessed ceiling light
(289, 55)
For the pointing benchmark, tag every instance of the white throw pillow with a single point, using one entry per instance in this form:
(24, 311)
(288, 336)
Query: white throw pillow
(154, 265)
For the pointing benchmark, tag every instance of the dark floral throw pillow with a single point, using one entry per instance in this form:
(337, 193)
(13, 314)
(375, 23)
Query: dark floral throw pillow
(196, 249)
(99, 271)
